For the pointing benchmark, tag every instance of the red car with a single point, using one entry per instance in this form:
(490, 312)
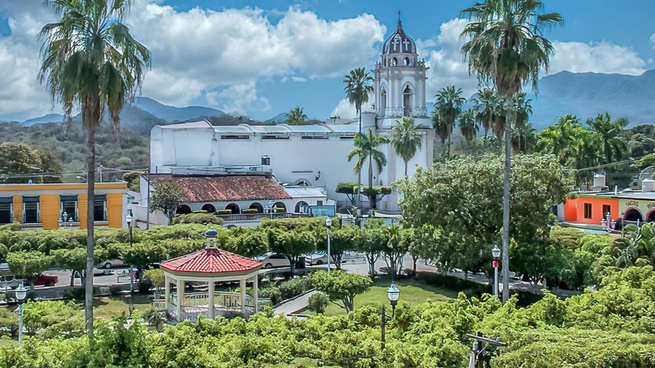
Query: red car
(47, 280)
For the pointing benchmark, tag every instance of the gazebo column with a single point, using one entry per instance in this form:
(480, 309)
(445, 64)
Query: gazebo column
(180, 298)
(210, 302)
(167, 293)
(255, 292)
(242, 286)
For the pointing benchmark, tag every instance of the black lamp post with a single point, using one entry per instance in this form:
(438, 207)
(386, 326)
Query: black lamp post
(495, 252)
(21, 294)
(393, 293)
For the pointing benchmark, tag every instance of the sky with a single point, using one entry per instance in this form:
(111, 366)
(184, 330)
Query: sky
(266, 57)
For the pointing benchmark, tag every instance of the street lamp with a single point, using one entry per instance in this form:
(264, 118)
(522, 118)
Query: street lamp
(210, 238)
(128, 220)
(21, 293)
(328, 224)
(393, 293)
(495, 252)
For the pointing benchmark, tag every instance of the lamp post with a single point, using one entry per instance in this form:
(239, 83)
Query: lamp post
(21, 293)
(128, 220)
(393, 293)
(495, 252)
(328, 224)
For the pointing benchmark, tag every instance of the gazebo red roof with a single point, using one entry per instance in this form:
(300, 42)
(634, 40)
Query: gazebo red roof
(211, 260)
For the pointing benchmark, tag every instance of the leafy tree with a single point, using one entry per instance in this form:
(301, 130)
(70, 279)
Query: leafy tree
(573, 144)
(372, 242)
(405, 139)
(28, 265)
(143, 254)
(343, 239)
(317, 303)
(51, 319)
(449, 106)
(358, 87)
(296, 117)
(21, 159)
(395, 248)
(8, 322)
(506, 48)
(349, 189)
(339, 285)
(367, 147)
(468, 125)
(610, 134)
(133, 180)
(167, 197)
(440, 128)
(291, 243)
(90, 59)
(70, 259)
(248, 242)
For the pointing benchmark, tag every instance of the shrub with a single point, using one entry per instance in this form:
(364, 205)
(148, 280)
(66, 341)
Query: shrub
(294, 287)
(224, 212)
(74, 293)
(317, 303)
(115, 290)
(249, 210)
(470, 288)
(272, 292)
(198, 217)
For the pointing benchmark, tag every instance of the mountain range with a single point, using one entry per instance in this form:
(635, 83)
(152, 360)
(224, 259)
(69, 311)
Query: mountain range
(581, 94)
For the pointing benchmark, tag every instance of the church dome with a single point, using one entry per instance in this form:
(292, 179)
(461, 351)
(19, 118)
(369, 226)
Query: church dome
(399, 42)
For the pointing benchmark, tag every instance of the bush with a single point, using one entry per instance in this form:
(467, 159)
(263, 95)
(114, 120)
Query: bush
(249, 210)
(198, 217)
(317, 303)
(470, 288)
(224, 212)
(74, 293)
(272, 292)
(145, 285)
(115, 290)
(294, 287)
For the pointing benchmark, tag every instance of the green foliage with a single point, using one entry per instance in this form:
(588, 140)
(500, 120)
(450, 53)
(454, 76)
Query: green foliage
(156, 277)
(70, 259)
(21, 159)
(317, 303)
(53, 318)
(167, 197)
(339, 285)
(405, 139)
(28, 265)
(294, 287)
(8, 323)
(133, 180)
(296, 117)
(198, 217)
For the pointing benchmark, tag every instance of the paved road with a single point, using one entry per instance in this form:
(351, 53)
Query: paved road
(293, 306)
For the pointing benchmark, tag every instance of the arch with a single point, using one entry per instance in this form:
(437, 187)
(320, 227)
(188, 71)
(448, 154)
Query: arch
(209, 208)
(257, 206)
(303, 182)
(394, 62)
(385, 61)
(633, 214)
(234, 208)
(280, 205)
(406, 61)
(383, 99)
(407, 99)
(650, 216)
(300, 205)
(183, 210)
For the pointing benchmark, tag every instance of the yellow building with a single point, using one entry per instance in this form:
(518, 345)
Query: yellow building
(50, 206)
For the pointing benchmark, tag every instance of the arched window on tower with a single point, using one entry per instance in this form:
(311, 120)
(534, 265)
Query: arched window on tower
(407, 101)
(394, 62)
(383, 101)
(406, 61)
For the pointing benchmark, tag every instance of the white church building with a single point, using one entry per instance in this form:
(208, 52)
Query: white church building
(310, 155)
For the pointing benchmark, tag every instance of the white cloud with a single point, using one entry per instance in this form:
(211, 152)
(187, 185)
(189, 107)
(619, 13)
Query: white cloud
(601, 57)
(344, 110)
(652, 40)
(299, 79)
(239, 98)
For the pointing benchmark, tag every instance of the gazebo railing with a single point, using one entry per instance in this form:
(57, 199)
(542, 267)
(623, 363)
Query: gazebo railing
(196, 304)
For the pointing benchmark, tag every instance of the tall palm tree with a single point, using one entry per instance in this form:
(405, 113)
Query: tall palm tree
(485, 104)
(440, 128)
(449, 107)
(506, 48)
(90, 60)
(564, 139)
(358, 86)
(468, 125)
(296, 117)
(528, 136)
(405, 139)
(366, 147)
(523, 110)
(611, 135)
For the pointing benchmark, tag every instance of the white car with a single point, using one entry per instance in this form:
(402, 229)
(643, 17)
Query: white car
(318, 259)
(272, 260)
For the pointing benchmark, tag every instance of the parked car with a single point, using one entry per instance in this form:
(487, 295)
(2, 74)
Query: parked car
(271, 260)
(112, 263)
(320, 258)
(42, 279)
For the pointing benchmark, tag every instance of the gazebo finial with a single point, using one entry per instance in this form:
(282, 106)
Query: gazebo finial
(210, 236)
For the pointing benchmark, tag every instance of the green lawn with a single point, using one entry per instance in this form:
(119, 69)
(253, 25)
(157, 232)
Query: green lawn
(104, 307)
(411, 291)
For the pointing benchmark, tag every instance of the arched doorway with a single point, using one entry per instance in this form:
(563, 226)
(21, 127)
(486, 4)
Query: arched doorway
(209, 208)
(383, 101)
(651, 216)
(234, 208)
(407, 101)
(301, 207)
(183, 210)
(280, 207)
(303, 182)
(257, 206)
(633, 214)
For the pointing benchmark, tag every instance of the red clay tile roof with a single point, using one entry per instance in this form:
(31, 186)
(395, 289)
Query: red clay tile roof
(211, 260)
(228, 187)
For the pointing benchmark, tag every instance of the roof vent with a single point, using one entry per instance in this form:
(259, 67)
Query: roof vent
(648, 185)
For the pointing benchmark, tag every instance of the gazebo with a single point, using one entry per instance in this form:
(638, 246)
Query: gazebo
(209, 266)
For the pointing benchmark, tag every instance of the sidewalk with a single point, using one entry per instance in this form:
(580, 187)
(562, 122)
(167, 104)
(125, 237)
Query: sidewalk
(293, 305)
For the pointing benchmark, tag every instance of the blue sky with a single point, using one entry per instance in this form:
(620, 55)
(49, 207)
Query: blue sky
(266, 57)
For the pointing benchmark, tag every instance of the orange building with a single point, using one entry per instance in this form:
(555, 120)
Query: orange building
(49, 206)
(591, 208)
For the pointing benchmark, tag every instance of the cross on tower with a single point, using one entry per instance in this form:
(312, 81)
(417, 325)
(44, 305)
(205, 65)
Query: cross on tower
(406, 42)
(396, 42)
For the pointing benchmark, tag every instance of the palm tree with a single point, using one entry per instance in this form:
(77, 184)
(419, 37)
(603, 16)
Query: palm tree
(90, 60)
(405, 139)
(528, 136)
(449, 107)
(611, 135)
(564, 139)
(296, 117)
(358, 86)
(506, 48)
(440, 128)
(485, 105)
(366, 147)
(523, 110)
(468, 125)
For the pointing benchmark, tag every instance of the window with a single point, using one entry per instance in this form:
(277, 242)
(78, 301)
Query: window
(68, 208)
(6, 210)
(587, 210)
(319, 203)
(100, 208)
(274, 136)
(606, 209)
(406, 61)
(235, 136)
(314, 137)
(31, 209)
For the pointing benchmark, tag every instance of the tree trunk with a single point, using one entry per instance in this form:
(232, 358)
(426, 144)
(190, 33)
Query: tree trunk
(370, 181)
(405, 167)
(506, 197)
(448, 149)
(72, 278)
(90, 242)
